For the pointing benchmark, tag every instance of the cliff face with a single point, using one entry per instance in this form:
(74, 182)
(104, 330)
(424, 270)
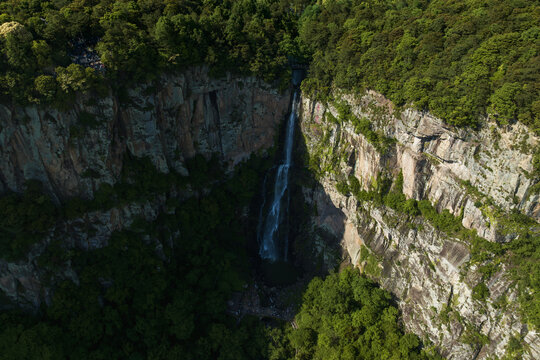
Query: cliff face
(73, 152)
(475, 175)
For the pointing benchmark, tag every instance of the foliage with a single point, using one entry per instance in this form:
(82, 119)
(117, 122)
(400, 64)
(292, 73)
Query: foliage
(473, 337)
(363, 126)
(346, 316)
(342, 187)
(514, 349)
(24, 220)
(157, 290)
(480, 292)
(369, 262)
(139, 181)
(75, 78)
(536, 167)
(136, 40)
(460, 59)
(46, 87)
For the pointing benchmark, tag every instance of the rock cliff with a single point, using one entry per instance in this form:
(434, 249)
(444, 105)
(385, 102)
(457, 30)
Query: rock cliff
(476, 175)
(72, 152)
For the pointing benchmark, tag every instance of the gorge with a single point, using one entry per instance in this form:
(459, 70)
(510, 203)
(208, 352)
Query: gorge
(429, 270)
(278, 179)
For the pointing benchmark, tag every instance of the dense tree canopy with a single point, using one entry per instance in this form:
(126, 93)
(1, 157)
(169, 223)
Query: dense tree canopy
(459, 59)
(346, 316)
(136, 39)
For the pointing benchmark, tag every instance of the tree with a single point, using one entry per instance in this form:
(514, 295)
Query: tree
(125, 48)
(42, 53)
(17, 43)
(503, 102)
(75, 78)
(46, 86)
(346, 316)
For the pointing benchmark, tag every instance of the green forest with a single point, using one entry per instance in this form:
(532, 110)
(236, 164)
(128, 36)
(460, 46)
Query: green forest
(459, 59)
(159, 289)
(346, 316)
(137, 41)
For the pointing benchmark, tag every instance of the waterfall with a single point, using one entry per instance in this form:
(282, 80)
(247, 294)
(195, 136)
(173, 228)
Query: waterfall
(270, 246)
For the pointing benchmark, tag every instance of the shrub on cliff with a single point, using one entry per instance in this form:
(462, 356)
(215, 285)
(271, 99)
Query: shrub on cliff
(480, 292)
(24, 219)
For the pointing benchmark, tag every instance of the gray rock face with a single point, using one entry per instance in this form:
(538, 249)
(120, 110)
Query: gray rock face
(429, 272)
(443, 165)
(72, 152)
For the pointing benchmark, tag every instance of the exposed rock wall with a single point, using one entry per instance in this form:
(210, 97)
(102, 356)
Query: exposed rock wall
(437, 161)
(72, 152)
(428, 271)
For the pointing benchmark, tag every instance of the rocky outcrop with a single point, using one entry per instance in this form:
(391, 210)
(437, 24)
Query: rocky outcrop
(455, 169)
(72, 152)
(473, 174)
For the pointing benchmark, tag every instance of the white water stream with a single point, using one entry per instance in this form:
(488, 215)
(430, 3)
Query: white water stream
(270, 246)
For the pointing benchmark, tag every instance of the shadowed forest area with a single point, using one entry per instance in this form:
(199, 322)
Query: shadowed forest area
(159, 289)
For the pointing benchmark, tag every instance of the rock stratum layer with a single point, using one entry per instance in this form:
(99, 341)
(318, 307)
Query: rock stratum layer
(458, 170)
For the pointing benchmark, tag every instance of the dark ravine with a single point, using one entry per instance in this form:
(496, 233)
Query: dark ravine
(191, 114)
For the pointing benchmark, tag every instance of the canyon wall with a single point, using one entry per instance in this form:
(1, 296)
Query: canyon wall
(478, 176)
(73, 152)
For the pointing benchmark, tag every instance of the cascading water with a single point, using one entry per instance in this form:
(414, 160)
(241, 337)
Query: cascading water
(270, 246)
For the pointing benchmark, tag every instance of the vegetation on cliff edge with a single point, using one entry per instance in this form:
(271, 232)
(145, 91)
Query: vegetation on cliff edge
(458, 59)
(52, 49)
